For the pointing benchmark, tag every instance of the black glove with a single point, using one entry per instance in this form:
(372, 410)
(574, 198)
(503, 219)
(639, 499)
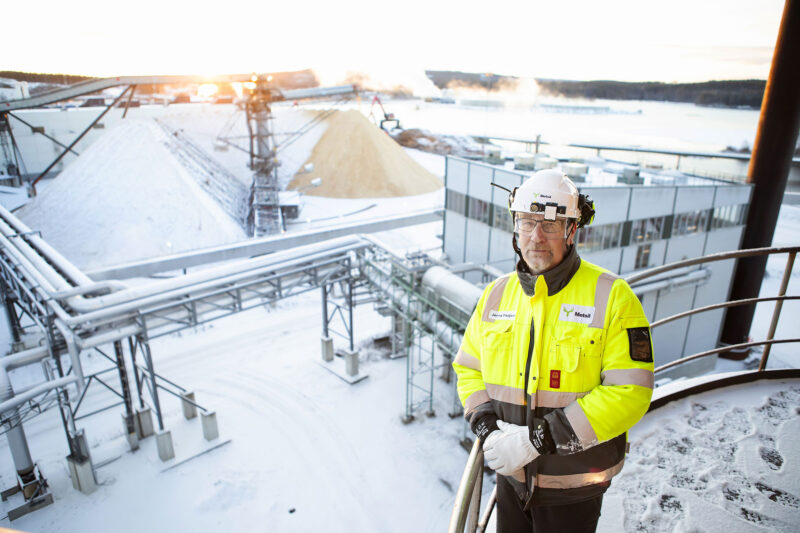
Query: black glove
(483, 424)
(540, 436)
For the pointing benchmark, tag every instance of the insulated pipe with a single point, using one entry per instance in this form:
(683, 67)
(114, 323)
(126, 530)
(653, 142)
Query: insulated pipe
(137, 297)
(55, 279)
(30, 269)
(24, 358)
(55, 257)
(456, 289)
(41, 284)
(94, 286)
(443, 332)
(16, 401)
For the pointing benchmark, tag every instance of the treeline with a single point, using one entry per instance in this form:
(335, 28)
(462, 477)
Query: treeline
(447, 79)
(731, 93)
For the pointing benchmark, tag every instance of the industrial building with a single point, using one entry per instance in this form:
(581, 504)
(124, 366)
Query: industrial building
(645, 218)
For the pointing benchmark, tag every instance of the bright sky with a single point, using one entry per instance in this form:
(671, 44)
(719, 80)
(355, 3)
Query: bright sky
(630, 40)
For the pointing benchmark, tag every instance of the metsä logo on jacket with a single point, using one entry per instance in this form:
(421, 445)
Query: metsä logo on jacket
(576, 313)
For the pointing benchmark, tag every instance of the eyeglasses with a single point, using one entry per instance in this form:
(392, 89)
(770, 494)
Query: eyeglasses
(527, 225)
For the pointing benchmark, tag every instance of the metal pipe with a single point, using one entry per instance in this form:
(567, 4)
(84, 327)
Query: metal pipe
(776, 313)
(228, 272)
(720, 350)
(769, 169)
(474, 468)
(24, 358)
(456, 289)
(55, 279)
(44, 248)
(487, 513)
(19, 399)
(137, 298)
(95, 286)
(734, 254)
(719, 306)
(696, 276)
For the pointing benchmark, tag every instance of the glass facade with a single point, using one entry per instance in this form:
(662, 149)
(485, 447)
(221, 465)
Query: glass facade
(637, 232)
(688, 223)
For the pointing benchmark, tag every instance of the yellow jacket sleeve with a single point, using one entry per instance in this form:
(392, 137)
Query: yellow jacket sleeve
(467, 364)
(623, 396)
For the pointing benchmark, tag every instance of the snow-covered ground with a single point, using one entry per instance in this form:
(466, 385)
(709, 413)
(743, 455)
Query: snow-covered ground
(308, 452)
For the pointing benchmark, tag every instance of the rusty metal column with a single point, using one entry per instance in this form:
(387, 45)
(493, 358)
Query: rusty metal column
(769, 169)
(126, 391)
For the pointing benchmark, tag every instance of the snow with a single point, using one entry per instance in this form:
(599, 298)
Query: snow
(725, 459)
(308, 452)
(126, 198)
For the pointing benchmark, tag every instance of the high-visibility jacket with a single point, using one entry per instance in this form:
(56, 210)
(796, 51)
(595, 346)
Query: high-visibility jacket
(577, 353)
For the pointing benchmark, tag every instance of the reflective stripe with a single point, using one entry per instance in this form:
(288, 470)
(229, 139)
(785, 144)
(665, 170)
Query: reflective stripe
(629, 376)
(572, 481)
(492, 302)
(580, 425)
(475, 399)
(511, 413)
(465, 359)
(506, 394)
(555, 399)
(601, 292)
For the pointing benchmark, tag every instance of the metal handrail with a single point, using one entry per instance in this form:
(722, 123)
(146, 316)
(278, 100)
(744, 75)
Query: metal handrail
(467, 503)
(466, 491)
(720, 256)
(779, 299)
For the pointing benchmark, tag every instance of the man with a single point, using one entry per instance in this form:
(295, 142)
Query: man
(556, 365)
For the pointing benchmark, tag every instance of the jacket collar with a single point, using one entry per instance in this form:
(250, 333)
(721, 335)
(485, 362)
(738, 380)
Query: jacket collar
(556, 278)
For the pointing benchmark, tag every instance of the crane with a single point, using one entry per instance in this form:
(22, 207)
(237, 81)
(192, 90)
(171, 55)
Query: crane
(387, 117)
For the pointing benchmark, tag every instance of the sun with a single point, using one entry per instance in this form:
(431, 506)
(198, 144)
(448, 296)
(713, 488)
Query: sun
(207, 90)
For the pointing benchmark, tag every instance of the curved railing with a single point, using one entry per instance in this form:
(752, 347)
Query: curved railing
(468, 498)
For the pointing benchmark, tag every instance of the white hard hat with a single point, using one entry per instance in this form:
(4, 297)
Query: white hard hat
(549, 192)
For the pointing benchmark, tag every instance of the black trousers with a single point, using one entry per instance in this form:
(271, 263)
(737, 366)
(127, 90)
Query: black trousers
(579, 517)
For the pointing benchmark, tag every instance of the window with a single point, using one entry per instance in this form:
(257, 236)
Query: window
(687, 223)
(502, 219)
(602, 237)
(642, 256)
(455, 201)
(727, 215)
(647, 229)
(479, 210)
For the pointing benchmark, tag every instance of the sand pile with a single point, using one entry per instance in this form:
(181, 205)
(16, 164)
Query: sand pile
(128, 197)
(355, 159)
